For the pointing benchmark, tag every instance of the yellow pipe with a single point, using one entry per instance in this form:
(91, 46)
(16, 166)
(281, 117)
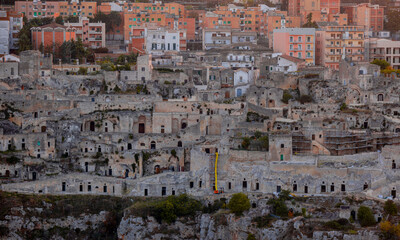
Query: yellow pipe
(216, 181)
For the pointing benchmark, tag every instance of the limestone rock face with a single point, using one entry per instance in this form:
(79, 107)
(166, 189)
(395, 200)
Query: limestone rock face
(227, 226)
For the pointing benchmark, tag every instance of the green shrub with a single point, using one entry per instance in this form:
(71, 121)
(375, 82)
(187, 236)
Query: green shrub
(286, 96)
(341, 224)
(239, 203)
(12, 160)
(257, 134)
(303, 212)
(173, 152)
(251, 237)
(365, 216)
(218, 204)
(167, 209)
(390, 208)
(343, 106)
(263, 221)
(305, 99)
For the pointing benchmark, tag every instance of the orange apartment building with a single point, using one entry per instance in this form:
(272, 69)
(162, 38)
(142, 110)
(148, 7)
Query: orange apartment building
(335, 42)
(367, 15)
(91, 34)
(52, 34)
(276, 20)
(159, 7)
(295, 42)
(137, 41)
(38, 9)
(82, 9)
(321, 10)
(43, 9)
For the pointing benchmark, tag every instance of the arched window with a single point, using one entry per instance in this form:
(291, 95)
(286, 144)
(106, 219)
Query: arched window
(180, 144)
(380, 97)
(183, 124)
(153, 145)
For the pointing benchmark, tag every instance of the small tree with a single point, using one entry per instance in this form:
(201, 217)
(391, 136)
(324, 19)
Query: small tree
(365, 216)
(381, 63)
(390, 208)
(246, 143)
(286, 96)
(239, 203)
(59, 20)
(82, 71)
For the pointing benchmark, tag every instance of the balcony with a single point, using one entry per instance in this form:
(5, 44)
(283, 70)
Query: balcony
(95, 39)
(221, 38)
(297, 49)
(137, 37)
(333, 54)
(95, 32)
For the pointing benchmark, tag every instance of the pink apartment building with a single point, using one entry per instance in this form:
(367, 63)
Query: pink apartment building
(295, 42)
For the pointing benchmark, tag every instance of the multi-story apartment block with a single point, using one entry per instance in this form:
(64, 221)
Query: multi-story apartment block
(216, 37)
(4, 37)
(384, 49)
(76, 8)
(137, 40)
(92, 34)
(15, 24)
(367, 15)
(277, 20)
(37, 8)
(337, 42)
(160, 40)
(295, 42)
(321, 10)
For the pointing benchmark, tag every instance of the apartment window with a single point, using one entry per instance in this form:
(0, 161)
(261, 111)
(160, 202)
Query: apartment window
(308, 39)
(291, 47)
(291, 39)
(300, 47)
(299, 54)
(299, 39)
(308, 47)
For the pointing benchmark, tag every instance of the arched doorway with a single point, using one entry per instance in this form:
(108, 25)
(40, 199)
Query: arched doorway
(238, 92)
(92, 126)
(153, 145)
(126, 173)
(180, 144)
(142, 126)
(227, 94)
(353, 214)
